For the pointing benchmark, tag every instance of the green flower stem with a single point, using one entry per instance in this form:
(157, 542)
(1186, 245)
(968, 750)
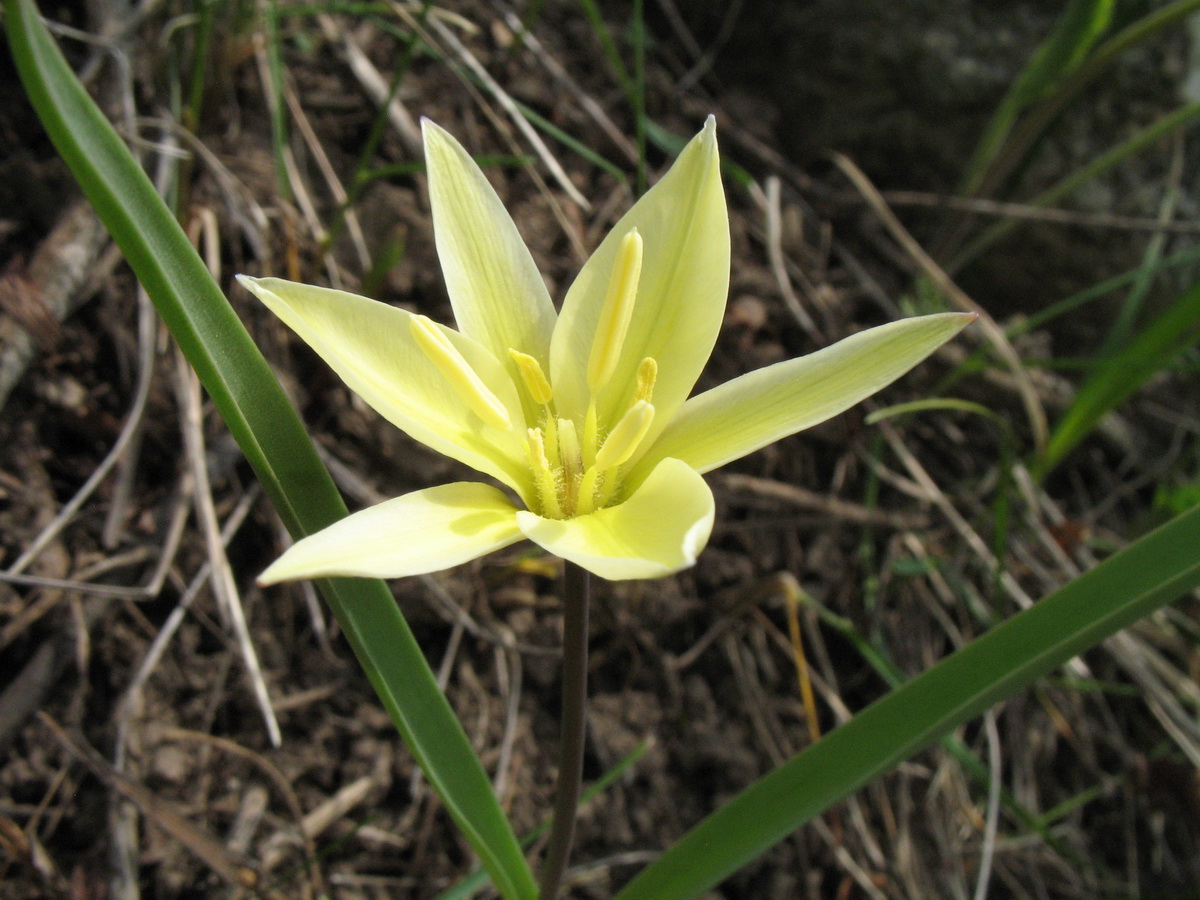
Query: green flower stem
(576, 587)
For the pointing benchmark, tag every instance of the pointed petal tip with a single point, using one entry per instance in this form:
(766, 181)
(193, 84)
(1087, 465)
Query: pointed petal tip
(270, 576)
(414, 534)
(271, 291)
(963, 318)
(286, 569)
(956, 321)
(431, 131)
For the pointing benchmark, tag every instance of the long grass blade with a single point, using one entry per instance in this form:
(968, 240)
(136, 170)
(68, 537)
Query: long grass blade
(1082, 22)
(268, 431)
(1153, 349)
(1148, 574)
(1073, 83)
(1184, 117)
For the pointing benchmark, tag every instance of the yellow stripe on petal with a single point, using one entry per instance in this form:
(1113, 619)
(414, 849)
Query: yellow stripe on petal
(425, 531)
(658, 531)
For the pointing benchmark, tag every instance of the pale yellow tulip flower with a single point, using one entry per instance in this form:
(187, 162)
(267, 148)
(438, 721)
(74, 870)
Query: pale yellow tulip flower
(583, 416)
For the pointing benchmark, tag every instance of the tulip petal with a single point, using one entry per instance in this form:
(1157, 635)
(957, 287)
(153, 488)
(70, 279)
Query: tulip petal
(424, 531)
(659, 530)
(498, 296)
(371, 348)
(761, 407)
(681, 292)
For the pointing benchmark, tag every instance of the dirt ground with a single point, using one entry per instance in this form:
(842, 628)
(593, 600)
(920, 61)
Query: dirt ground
(134, 755)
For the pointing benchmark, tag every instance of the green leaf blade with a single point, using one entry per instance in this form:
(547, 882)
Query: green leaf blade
(1119, 376)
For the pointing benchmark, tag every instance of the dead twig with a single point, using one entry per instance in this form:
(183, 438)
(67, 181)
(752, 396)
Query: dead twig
(54, 284)
(229, 867)
(769, 200)
(1008, 210)
(560, 74)
(828, 507)
(509, 106)
(224, 587)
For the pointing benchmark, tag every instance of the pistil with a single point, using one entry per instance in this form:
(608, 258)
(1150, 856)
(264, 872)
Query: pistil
(571, 463)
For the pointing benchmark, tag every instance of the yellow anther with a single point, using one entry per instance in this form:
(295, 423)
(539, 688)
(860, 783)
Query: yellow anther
(617, 311)
(456, 370)
(591, 435)
(535, 379)
(646, 374)
(625, 437)
(547, 483)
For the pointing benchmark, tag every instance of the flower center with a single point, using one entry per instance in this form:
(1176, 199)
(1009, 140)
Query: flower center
(577, 474)
(575, 466)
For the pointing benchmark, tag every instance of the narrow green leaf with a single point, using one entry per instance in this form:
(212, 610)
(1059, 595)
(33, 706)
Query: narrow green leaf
(1101, 289)
(1176, 120)
(268, 431)
(874, 656)
(1148, 574)
(1152, 350)
(1073, 83)
(604, 36)
(563, 137)
(1082, 22)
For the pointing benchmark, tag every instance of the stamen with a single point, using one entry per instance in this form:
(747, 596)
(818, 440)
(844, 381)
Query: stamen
(456, 370)
(618, 309)
(591, 435)
(535, 379)
(646, 374)
(543, 474)
(623, 440)
(589, 488)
